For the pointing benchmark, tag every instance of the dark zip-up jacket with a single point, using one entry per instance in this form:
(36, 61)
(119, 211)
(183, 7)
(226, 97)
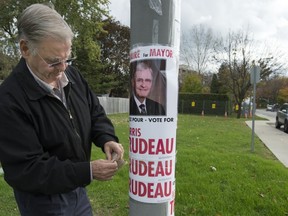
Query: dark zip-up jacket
(45, 147)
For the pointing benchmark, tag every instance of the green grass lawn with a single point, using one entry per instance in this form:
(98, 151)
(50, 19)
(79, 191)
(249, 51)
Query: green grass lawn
(244, 183)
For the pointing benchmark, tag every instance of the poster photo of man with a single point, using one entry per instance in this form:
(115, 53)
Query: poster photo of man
(148, 87)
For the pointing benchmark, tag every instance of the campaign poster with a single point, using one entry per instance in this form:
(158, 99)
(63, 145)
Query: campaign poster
(153, 122)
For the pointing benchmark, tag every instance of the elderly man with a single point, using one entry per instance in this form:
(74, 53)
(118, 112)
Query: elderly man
(49, 119)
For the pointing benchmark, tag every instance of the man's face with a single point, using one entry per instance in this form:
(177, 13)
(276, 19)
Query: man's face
(49, 52)
(142, 83)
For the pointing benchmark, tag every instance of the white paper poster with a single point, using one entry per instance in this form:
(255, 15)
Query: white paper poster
(153, 122)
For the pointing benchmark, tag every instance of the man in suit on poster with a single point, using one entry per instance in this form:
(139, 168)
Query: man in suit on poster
(142, 81)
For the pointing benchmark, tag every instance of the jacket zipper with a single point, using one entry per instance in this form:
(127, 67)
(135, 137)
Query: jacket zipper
(67, 108)
(72, 122)
(70, 116)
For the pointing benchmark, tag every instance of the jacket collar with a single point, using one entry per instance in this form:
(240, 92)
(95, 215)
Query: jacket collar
(28, 83)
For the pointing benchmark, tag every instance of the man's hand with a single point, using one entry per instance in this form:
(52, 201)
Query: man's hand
(103, 170)
(113, 147)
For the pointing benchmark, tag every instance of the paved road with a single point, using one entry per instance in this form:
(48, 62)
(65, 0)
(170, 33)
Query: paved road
(271, 116)
(275, 139)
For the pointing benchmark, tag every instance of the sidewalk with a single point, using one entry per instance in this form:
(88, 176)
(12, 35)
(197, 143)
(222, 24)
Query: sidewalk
(274, 139)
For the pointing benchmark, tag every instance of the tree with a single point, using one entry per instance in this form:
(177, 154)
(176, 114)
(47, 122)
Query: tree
(215, 86)
(223, 77)
(235, 69)
(80, 14)
(84, 16)
(6, 65)
(283, 94)
(197, 47)
(268, 90)
(191, 83)
(115, 46)
(101, 46)
(237, 55)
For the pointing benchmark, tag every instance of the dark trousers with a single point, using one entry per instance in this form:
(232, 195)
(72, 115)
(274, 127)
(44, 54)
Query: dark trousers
(74, 203)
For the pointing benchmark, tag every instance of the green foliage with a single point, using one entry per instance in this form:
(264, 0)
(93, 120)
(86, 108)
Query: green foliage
(101, 47)
(191, 83)
(234, 78)
(272, 91)
(9, 11)
(225, 83)
(244, 183)
(215, 85)
(85, 18)
(283, 95)
(115, 46)
(88, 54)
(6, 65)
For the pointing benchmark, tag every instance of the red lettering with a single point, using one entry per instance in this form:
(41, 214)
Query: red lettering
(151, 146)
(160, 170)
(135, 55)
(160, 147)
(172, 203)
(150, 190)
(151, 168)
(161, 52)
(152, 52)
(143, 146)
(133, 145)
(159, 191)
(135, 132)
(142, 189)
(169, 144)
(142, 168)
(167, 188)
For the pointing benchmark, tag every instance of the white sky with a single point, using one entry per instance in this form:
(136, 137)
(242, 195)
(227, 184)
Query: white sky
(267, 19)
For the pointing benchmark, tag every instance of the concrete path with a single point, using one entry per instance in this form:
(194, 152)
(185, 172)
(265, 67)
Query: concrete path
(275, 139)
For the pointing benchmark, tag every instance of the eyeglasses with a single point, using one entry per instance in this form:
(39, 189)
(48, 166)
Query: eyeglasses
(56, 64)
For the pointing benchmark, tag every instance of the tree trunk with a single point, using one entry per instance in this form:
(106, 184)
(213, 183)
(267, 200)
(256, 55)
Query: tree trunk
(239, 111)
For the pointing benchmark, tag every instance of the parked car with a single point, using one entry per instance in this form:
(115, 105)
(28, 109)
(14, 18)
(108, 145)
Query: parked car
(275, 107)
(272, 107)
(282, 117)
(269, 107)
